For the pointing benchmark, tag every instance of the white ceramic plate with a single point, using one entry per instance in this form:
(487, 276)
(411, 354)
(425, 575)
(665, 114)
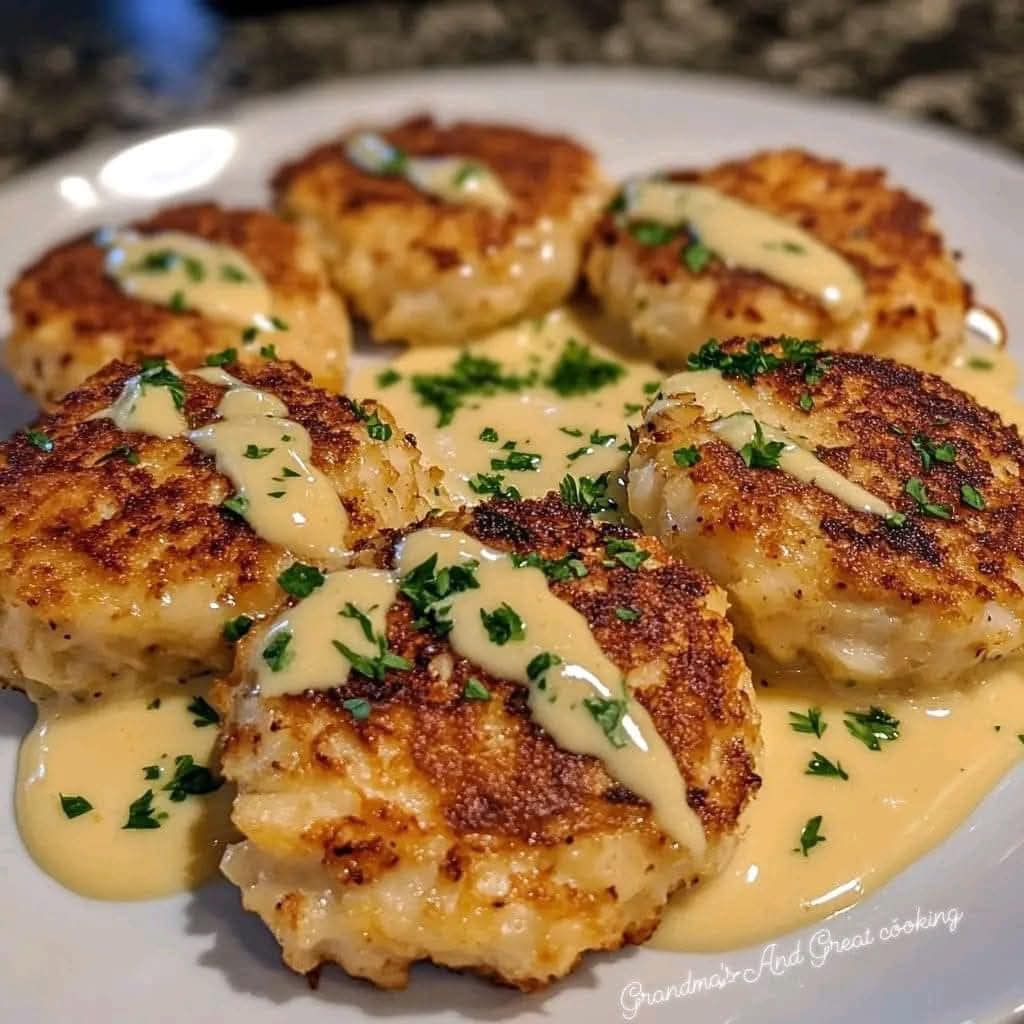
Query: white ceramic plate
(198, 957)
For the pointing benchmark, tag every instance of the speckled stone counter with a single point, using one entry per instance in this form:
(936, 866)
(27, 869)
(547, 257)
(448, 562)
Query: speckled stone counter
(76, 70)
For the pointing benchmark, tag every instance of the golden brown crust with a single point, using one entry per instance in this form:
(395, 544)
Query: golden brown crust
(544, 174)
(916, 299)
(526, 788)
(71, 317)
(88, 535)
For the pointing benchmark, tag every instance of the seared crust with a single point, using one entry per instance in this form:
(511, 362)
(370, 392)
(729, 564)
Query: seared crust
(866, 414)
(916, 300)
(492, 786)
(136, 567)
(449, 270)
(71, 318)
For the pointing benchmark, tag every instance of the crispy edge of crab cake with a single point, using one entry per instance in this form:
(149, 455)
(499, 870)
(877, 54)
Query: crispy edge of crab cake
(426, 271)
(117, 573)
(916, 300)
(814, 583)
(455, 830)
(71, 318)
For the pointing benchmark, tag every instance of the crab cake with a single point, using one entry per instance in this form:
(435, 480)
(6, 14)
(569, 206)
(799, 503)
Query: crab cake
(125, 554)
(72, 316)
(826, 223)
(437, 800)
(440, 232)
(864, 517)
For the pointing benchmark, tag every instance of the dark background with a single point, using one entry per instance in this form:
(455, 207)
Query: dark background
(71, 71)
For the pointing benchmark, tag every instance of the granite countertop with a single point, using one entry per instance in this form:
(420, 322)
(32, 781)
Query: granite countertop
(100, 66)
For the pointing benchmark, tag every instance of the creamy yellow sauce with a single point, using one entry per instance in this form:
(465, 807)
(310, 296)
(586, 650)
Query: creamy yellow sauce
(184, 272)
(898, 803)
(733, 420)
(280, 493)
(581, 435)
(452, 178)
(145, 407)
(100, 752)
(747, 236)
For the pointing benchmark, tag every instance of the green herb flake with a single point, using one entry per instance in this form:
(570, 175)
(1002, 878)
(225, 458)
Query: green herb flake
(759, 453)
(917, 490)
(695, 257)
(357, 707)
(579, 372)
(122, 451)
(686, 457)
(978, 363)
(151, 772)
(469, 376)
(141, 814)
(277, 654)
(652, 233)
(559, 569)
(377, 665)
(972, 496)
(234, 629)
(806, 401)
(517, 462)
(154, 704)
(609, 714)
(204, 712)
(429, 590)
(350, 611)
(503, 624)
(489, 435)
(268, 352)
(176, 303)
(930, 452)
(300, 580)
(574, 431)
(386, 378)
(74, 806)
(39, 439)
(191, 779)
(589, 494)
(475, 690)
(253, 451)
(539, 665)
(810, 835)
(155, 374)
(493, 484)
(626, 553)
(819, 764)
(627, 614)
(812, 722)
(223, 358)
(871, 727)
(232, 274)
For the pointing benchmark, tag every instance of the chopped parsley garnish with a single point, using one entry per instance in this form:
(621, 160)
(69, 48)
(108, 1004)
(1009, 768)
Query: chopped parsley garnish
(277, 653)
(651, 387)
(191, 779)
(204, 712)
(808, 354)
(627, 614)
(223, 358)
(819, 764)
(350, 611)
(489, 435)
(194, 270)
(759, 453)
(377, 428)
(806, 401)
(154, 704)
(278, 323)
(74, 806)
(930, 452)
(567, 568)
(978, 363)
(539, 664)
(301, 580)
(695, 257)
(626, 553)
(234, 629)
(895, 519)
(917, 490)
(466, 173)
(630, 408)
(609, 713)
(590, 495)
(579, 372)
(503, 624)
(573, 431)
(357, 707)
(155, 374)
(152, 771)
(39, 439)
(872, 726)
(157, 261)
(785, 246)
(253, 451)
(275, 494)
(237, 504)
(388, 377)
(122, 451)
(268, 351)
(651, 232)
(812, 722)
(232, 274)
(687, 457)
(374, 666)
(141, 813)
(469, 375)
(492, 483)
(810, 836)
(429, 591)
(517, 462)
(475, 690)
(176, 303)
(286, 474)
(972, 496)
(396, 163)
(755, 360)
